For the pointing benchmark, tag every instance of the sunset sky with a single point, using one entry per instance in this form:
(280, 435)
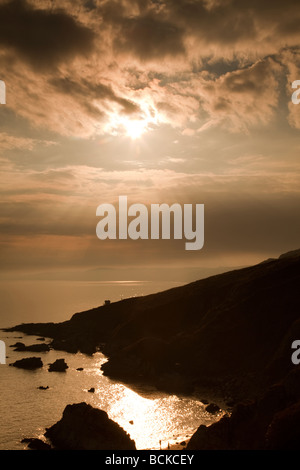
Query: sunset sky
(165, 101)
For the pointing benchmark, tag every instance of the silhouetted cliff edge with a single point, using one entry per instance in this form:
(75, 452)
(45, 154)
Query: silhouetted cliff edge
(233, 330)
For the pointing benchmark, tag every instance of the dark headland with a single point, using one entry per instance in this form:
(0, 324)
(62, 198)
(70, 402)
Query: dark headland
(231, 333)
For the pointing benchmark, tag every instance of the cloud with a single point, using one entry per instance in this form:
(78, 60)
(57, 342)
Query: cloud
(245, 97)
(87, 92)
(10, 142)
(192, 65)
(43, 38)
(149, 38)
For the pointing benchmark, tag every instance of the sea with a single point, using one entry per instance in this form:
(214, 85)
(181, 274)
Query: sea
(153, 419)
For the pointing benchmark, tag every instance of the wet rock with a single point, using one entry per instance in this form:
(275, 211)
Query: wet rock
(83, 427)
(212, 408)
(18, 345)
(36, 444)
(58, 366)
(33, 347)
(29, 363)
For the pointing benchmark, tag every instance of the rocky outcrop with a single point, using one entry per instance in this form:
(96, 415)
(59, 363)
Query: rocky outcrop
(212, 408)
(32, 348)
(235, 328)
(58, 366)
(83, 427)
(18, 345)
(36, 444)
(271, 422)
(29, 363)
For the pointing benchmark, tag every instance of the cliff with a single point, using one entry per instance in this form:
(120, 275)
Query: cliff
(233, 330)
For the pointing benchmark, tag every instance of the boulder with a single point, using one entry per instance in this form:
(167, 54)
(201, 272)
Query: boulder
(83, 427)
(33, 347)
(36, 444)
(212, 408)
(29, 363)
(58, 366)
(18, 345)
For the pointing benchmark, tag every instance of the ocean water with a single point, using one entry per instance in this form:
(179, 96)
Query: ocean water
(55, 301)
(147, 415)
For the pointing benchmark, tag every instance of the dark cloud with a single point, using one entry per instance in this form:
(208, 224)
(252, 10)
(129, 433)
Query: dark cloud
(143, 32)
(90, 5)
(43, 38)
(236, 23)
(149, 38)
(87, 91)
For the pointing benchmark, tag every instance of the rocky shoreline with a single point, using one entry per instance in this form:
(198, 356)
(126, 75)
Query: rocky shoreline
(230, 334)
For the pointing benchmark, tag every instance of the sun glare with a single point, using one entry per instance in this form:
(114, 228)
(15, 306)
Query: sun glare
(134, 128)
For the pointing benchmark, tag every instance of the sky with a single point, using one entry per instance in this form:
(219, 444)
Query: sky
(164, 101)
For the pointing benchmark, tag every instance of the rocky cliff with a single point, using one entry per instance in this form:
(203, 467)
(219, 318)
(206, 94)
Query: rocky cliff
(233, 330)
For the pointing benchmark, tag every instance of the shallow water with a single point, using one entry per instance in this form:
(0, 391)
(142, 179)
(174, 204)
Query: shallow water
(26, 411)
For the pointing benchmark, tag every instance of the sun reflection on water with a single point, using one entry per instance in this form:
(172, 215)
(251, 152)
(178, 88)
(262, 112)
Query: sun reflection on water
(152, 421)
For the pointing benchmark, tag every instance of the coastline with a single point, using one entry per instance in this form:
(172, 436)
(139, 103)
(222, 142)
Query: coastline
(225, 336)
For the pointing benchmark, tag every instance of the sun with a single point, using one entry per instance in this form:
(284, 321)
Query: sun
(135, 128)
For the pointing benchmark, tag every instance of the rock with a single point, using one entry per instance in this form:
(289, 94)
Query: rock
(80, 368)
(271, 421)
(43, 388)
(284, 431)
(91, 390)
(214, 437)
(83, 427)
(131, 422)
(33, 347)
(212, 408)
(36, 444)
(29, 363)
(18, 345)
(58, 366)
